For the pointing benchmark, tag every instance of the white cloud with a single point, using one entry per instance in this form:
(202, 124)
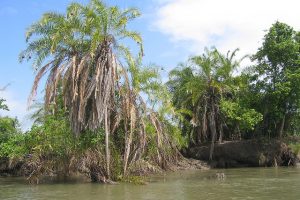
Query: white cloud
(227, 24)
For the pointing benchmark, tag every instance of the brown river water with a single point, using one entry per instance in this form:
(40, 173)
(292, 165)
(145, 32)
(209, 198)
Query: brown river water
(244, 183)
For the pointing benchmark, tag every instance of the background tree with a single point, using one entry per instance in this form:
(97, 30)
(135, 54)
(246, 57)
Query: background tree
(8, 126)
(9, 130)
(276, 78)
(3, 106)
(205, 91)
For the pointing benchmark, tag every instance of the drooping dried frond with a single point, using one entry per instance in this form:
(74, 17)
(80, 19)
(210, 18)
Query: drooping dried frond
(98, 91)
(198, 89)
(82, 47)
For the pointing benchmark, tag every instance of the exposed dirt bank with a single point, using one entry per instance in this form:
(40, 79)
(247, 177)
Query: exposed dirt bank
(10, 167)
(140, 168)
(246, 153)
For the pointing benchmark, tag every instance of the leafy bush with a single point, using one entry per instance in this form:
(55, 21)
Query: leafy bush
(11, 138)
(237, 115)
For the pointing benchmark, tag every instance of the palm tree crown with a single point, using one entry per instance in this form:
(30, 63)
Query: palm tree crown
(198, 89)
(82, 49)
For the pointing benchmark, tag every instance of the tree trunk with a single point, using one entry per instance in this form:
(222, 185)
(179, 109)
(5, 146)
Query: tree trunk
(190, 138)
(239, 132)
(221, 133)
(107, 144)
(281, 127)
(198, 133)
(128, 140)
(204, 121)
(212, 126)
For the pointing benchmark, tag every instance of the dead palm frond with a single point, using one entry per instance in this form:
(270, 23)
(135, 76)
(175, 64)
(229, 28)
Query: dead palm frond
(83, 51)
(198, 88)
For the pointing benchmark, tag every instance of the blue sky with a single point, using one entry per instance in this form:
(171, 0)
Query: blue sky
(172, 30)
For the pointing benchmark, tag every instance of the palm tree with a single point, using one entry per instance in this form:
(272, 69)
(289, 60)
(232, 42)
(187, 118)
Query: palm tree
(181, 98)
(81, 48)
(198, 90)
(84, 50)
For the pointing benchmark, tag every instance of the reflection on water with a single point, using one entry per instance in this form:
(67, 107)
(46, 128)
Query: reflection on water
(246, 183)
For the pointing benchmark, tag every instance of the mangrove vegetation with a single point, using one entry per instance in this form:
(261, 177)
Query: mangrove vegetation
(107, 116)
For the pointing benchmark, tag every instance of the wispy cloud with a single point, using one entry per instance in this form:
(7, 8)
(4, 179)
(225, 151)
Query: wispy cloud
(225, 24)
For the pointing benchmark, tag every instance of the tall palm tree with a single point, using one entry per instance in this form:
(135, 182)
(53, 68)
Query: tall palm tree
(83, 50)
(200, 87)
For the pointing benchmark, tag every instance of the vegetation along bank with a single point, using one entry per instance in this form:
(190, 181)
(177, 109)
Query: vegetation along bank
(109, 117)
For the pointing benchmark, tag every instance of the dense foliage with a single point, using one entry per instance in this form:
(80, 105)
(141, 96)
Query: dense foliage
(10, 134)
(275, 80)
(207, 94)
(98, 84)
(261, 100)
(107, 116)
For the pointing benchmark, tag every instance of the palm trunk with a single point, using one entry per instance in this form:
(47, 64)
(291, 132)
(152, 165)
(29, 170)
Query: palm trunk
(128, 139)
(198, 133)
(281, 127)
(204, 121)
(128, 142)
(107, 152)
(239, 132)
(212, 126)
(221, 133)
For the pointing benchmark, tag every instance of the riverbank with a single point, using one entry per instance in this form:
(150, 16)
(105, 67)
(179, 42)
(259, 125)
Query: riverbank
(229, 154)
(246, 153)
(17, 168)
